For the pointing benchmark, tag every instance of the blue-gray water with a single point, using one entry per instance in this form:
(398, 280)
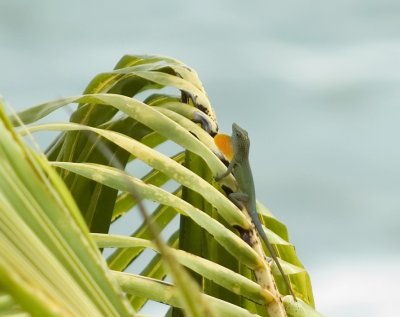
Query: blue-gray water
(316, 84)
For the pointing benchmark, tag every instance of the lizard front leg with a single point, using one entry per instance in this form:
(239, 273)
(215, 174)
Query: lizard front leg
(229, 170)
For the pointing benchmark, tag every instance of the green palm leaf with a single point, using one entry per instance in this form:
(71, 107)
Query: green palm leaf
(109, 131)
(49, 263)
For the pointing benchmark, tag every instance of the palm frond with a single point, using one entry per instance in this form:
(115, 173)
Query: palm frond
(49, 263)
(125, 115)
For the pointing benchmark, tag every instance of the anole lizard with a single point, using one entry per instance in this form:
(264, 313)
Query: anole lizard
(239, 146)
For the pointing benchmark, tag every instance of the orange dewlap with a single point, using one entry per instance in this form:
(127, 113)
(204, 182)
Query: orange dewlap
(224, 144)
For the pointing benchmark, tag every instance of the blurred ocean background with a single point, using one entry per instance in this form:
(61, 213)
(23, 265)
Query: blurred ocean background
(316, 84)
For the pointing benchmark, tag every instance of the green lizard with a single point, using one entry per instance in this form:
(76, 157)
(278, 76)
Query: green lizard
(240, 166)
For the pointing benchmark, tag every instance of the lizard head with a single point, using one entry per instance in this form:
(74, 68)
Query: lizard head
(240, 142)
